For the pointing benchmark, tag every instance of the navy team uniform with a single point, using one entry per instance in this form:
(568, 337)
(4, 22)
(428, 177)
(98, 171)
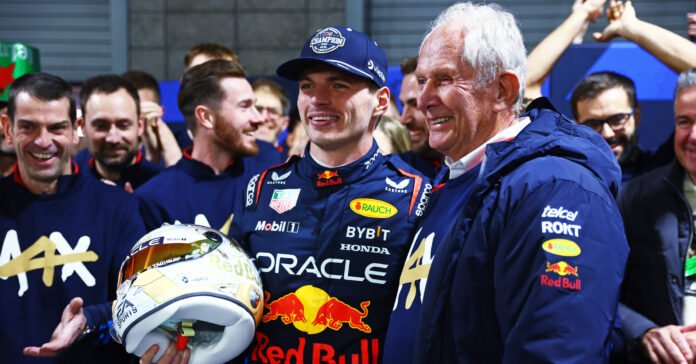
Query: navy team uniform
(436, 224)
(532, 269)
(76, 240)
(330, 243)
(191, 192)
(137, 174)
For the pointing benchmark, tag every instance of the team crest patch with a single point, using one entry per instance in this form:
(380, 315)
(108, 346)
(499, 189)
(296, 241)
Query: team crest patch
(284, 200)
(327, 40)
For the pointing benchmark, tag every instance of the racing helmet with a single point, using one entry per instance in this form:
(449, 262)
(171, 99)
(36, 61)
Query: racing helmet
(190, 284)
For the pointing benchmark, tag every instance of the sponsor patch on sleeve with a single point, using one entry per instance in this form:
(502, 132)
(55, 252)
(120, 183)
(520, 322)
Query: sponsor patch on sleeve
(251, 190)
(560, 274)
(561, 247)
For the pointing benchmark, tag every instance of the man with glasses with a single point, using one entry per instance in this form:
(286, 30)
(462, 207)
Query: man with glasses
(607, 103)
(272, 104)
(616, 122)
(658, 298)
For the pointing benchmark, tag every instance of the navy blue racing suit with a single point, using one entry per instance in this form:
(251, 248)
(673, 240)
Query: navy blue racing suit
(330, 244)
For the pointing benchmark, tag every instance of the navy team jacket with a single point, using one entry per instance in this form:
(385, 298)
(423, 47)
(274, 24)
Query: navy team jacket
(56, 247)
(330, 244)
(531, 273)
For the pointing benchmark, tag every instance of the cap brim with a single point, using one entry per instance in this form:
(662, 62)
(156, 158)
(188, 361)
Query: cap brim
(293, 68)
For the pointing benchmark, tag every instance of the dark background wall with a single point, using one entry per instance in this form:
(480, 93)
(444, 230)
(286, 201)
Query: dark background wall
(81, 38)
(263, 33)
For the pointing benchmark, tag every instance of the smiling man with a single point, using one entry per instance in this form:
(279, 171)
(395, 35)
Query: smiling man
(421, 156)
(607, 103)
(535, 233)
(55, 219)
(344, 212)
(272, 104)
(112, 127)
(205, 186)
(658, 298)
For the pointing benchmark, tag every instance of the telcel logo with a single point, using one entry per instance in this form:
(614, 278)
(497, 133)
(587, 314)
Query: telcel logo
(370, 207)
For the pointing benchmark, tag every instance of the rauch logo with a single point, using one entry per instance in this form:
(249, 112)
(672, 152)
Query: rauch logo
(369, 207)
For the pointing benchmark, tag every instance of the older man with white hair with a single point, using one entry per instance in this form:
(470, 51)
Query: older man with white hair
(658, 296)
(528, 267)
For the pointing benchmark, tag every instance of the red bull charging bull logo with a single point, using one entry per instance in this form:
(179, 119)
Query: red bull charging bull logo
(328, 178)
(288, 308)
(312, 310)
(562, 269)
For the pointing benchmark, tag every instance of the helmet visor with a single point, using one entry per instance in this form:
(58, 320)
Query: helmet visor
(163, 254)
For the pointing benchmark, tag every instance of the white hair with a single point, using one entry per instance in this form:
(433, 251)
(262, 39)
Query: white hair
(686, 79)
(493, 41)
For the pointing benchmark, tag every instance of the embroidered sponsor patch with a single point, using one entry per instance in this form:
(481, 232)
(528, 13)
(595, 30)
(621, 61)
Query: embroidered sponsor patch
(278, 179)
(284, 200)
(327, 40)
(373, 208)
(278, 226)
(562, 247)
(562, 268)
(395, 187)
(559, 213)
(564, 276)
(558, 227)
(251, 187)
(328, 178)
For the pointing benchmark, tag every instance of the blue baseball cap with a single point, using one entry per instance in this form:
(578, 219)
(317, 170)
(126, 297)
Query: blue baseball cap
(344, 48)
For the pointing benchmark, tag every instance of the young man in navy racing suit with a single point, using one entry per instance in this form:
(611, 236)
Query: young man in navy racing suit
(330, 231)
